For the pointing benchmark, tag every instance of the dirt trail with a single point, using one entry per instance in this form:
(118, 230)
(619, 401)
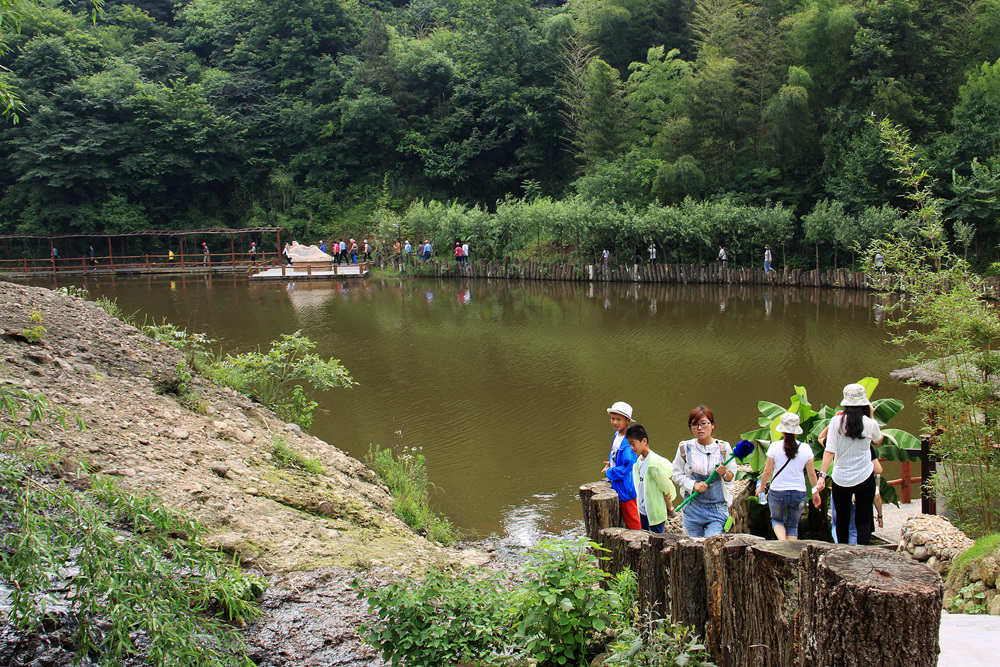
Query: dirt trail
(310, 533)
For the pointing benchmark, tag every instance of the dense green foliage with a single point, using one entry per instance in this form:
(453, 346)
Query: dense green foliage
(326, 115)
(406, 476)
(134, 576)
(556, 612)
(275, 377)
(563, 605)
(953, 334)
(440, 620)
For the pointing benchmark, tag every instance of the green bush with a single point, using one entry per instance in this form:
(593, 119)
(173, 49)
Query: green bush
(660, 644)
(141, 579)
(443, 620)
(275, 378)
(406, 477)
(563, 605)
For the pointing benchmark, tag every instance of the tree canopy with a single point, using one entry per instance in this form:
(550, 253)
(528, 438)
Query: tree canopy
(315, 114)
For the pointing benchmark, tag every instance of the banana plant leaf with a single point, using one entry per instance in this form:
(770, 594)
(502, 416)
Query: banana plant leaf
(771, 411)
(800, 405)
(888, 493)
(886, 409)
(821, 422)
(899, 441)
(869, 384)
(761, 438)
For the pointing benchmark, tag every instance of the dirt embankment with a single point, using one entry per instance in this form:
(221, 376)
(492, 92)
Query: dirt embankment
(311, 533)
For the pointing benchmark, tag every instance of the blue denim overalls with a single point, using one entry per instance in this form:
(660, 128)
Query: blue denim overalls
(707, 513)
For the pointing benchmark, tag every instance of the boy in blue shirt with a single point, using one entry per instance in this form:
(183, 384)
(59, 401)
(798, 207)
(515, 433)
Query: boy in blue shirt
(618, 467)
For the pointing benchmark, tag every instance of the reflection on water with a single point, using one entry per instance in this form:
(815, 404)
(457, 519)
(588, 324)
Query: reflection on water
(505, 384)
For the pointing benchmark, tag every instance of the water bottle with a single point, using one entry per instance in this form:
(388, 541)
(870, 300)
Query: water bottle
(762, 497)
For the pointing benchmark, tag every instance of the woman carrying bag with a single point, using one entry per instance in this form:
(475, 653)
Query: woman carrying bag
(708, 512)
(848, 440)
(786, 495)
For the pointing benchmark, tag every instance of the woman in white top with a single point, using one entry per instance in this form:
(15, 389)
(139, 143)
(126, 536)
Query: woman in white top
(787, 495)
(696, 460)
(848, 440)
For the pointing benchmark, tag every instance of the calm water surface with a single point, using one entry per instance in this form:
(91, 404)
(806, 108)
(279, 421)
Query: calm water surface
(503, 386)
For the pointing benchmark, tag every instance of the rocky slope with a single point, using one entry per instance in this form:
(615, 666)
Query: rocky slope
(309, 532)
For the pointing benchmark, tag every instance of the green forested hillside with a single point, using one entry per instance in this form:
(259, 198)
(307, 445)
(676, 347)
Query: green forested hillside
(317, 113)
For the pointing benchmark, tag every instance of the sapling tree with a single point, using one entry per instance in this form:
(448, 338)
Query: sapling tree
(950, 334)
(276, 377)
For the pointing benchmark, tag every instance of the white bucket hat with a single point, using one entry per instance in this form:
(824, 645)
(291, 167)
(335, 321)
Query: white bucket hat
(622, 408)
(789, 423)
(855, 394)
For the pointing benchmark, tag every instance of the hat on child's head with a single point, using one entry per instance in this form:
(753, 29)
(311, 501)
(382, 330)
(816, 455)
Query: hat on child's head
(622, 408)
(789, 423)
(855, 394)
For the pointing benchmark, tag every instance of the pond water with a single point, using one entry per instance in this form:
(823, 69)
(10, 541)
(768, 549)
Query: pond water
(503, 386)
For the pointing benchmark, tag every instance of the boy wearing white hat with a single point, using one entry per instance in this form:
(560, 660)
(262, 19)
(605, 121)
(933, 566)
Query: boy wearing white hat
(618, 467)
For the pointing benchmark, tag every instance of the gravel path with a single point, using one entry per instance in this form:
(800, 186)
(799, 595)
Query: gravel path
(893, 518)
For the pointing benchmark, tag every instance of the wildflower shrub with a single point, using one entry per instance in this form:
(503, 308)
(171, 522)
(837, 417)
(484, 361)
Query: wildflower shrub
(406, 477)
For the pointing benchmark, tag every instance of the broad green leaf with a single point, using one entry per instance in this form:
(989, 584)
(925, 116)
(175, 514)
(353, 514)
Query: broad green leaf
(804, 411)
(888, 492)
(770, 410)
(756, 434)
(886, 409)
(869, 384)
(899, 441)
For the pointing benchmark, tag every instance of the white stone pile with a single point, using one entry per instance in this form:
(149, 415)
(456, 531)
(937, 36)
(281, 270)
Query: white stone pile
(932, 540)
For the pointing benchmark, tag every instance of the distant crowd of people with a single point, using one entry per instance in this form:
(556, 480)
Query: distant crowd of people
(350, 252)
(704, 467)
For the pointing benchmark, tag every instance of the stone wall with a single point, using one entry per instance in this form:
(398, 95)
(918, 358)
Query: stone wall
(932, 540)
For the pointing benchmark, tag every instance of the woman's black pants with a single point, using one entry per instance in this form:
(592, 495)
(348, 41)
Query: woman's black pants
(864, 498)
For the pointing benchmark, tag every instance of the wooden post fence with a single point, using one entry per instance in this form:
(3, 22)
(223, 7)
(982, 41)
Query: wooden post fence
(770, 603)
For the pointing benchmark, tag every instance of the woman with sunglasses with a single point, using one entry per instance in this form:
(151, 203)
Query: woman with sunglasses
(696, 460)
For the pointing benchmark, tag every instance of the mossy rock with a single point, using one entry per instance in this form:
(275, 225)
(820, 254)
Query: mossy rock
(981, 562)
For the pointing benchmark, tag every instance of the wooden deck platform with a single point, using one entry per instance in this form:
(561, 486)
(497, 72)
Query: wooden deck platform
(310, 272)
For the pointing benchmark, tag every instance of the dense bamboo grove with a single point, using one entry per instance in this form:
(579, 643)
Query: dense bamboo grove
(553, 126)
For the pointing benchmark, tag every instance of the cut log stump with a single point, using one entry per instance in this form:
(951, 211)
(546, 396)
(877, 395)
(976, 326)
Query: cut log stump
(654, 574)
(865, 606)
(771, 597)
(725, 573)
(587, 492)
(688, 594)
(601, 510)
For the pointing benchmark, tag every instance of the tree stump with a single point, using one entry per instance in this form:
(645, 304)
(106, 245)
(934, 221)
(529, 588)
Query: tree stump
(654, 577)
(608, 539)
(725, 558)
(769, 596)
(591, 526)
(688, 594)
(603, 511)
(868, 606)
